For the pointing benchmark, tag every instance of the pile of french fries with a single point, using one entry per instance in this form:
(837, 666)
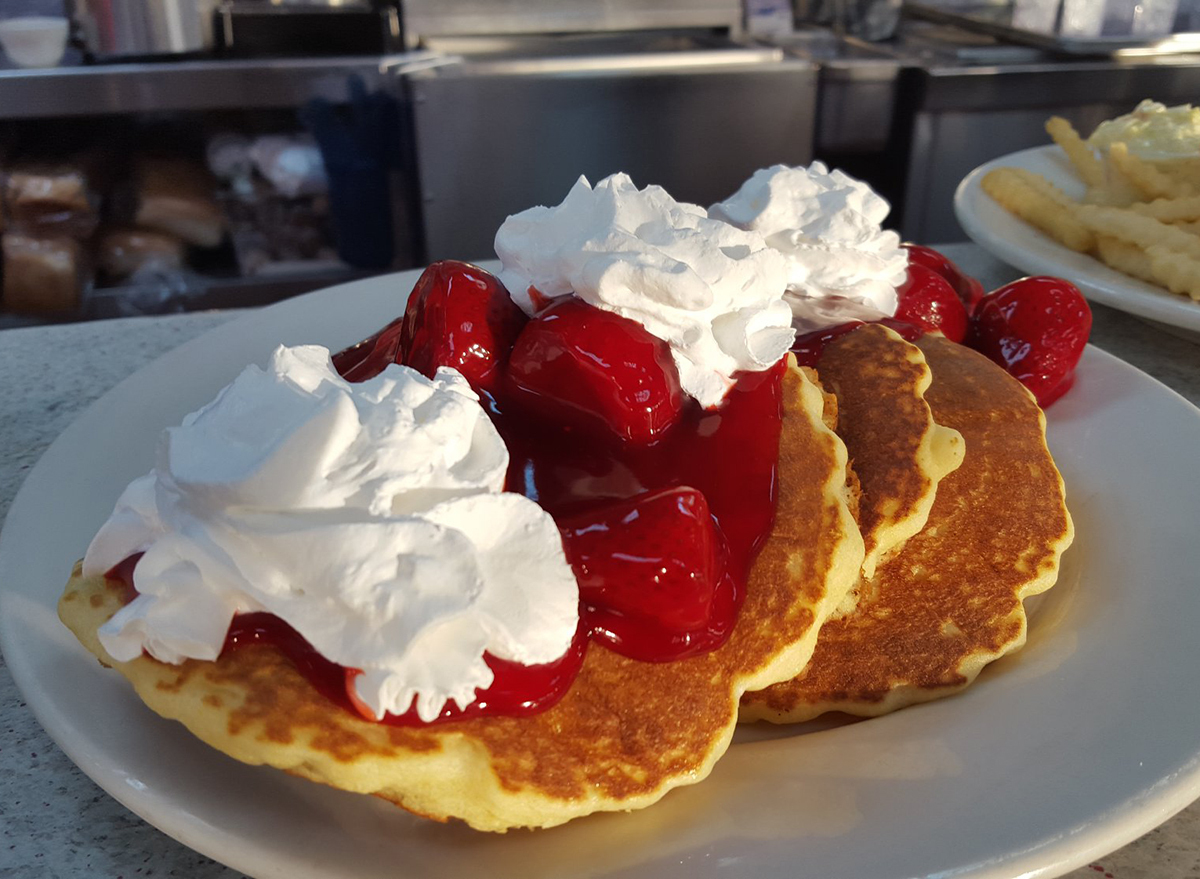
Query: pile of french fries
(1138, 217)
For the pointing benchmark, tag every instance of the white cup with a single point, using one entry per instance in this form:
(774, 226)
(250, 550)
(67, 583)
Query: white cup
(34, 40)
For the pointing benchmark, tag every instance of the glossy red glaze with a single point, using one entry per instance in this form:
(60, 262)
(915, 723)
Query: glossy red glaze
(461, 316)
(969, 290)
(656, 559)
(538, 299)
(728, 454)
(581, 369)
(727, 457)
(517, 690)
(458, 315)
(1036, 328)
(370, 356)
(927, 300)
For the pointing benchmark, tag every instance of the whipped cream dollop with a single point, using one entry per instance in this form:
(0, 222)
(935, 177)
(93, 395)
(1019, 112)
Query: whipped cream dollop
(1153, 131)
(712, 292)
(368, 516)
(842, 265)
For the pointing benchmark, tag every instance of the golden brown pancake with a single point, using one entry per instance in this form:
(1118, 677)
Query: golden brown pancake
(951, 600)
(625, 733)
(897, 450)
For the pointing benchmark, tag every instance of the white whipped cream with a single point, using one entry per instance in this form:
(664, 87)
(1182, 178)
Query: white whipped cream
(1153, 131)
(842, 265)
(712, 292)
(368, 516)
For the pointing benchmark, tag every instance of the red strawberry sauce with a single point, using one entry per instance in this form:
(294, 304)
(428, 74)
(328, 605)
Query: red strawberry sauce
(729, 454)
(517, 690)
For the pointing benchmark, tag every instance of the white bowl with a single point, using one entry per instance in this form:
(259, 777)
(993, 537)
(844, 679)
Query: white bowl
(34, 40)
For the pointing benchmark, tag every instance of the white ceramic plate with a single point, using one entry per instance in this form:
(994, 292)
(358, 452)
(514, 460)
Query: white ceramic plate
(1023, 246)
(1081, 742)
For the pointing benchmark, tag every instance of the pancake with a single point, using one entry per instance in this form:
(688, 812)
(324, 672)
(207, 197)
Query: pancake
(951, 600)
(624, 734)
(898, 452)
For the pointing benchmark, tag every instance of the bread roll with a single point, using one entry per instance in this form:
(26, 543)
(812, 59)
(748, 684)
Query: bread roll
(176, 196)
(50, 201)
(41, 275)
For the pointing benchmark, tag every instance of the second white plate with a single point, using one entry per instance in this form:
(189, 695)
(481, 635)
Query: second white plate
(1019, 244)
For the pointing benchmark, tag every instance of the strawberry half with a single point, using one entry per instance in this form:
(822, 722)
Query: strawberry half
(969, 290)
(655, 557)
(461, 316)
(1036, 328)
(927, 300)
(584, 368)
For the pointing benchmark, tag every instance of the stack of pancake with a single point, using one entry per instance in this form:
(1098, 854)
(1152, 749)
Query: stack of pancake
(625, 733)
(905, 540)
(963, 514)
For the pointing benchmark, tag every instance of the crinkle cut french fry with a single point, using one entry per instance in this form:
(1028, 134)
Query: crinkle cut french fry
(1178, 272)
(1036, 181)
(1152, 182)
(1170, 210)
(1016, 195)
(1079, 153)
(1118, 191)
(1145, 232)
(1125, 257)
(1110, 197)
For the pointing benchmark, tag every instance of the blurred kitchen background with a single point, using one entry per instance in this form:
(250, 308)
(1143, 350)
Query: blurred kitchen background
(166, 155)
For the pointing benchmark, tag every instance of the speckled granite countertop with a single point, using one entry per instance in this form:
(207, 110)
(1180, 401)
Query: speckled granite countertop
(56, 823)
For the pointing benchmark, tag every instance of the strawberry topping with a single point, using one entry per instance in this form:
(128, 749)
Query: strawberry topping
(461, 316)
(369, 357)
(1036, 328)
(585, 369)
(969, 290)
(927, 300)
(657, 556)
(457, 315)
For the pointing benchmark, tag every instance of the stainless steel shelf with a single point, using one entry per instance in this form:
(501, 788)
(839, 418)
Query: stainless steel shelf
(998, 21)
(196, 85)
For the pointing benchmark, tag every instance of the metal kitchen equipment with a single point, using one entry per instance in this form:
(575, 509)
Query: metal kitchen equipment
(307, 28)
(663, 90)
(1055, 33)
(474, 17)
(113, 30)
(857, 91)
(964, 100)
